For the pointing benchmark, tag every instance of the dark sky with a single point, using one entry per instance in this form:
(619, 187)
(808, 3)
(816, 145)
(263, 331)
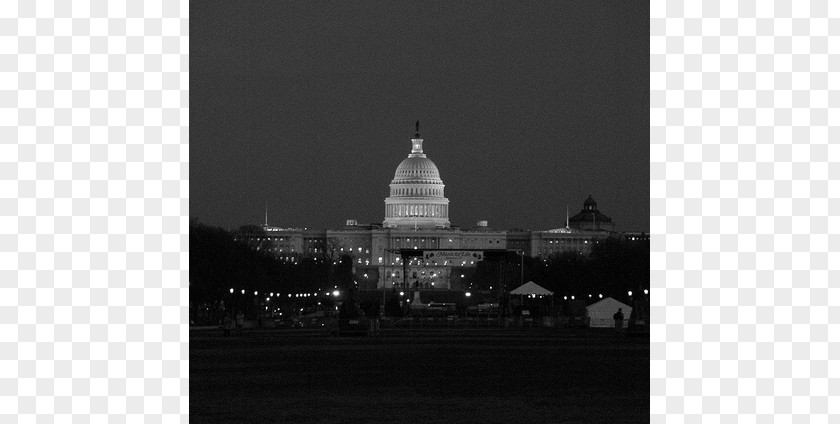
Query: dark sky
(525, 107)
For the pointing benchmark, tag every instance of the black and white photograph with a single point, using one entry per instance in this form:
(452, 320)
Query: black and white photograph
(419, 211)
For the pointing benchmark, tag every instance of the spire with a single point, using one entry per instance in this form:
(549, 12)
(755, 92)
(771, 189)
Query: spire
(567, 216)
(417, 143)
(266, 214)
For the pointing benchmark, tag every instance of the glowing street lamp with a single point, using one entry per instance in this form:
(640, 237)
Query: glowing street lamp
(335, 293)
(231, 291)
(646, 291)
(243, 291)
(467, 294)
(629, 293)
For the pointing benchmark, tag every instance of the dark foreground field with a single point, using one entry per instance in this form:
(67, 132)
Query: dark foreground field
(421, 376)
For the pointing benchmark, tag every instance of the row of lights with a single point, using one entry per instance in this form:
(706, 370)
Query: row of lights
(336, 293)
(601, 296)
(270, 295)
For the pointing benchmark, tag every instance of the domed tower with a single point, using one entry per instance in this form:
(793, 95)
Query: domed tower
(416, 198)
(590, 218)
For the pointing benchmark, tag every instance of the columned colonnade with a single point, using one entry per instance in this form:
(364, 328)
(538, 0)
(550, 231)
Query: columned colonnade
(417, 210)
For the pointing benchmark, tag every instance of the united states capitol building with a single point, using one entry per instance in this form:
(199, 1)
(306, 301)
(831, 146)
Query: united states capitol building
(417, 217)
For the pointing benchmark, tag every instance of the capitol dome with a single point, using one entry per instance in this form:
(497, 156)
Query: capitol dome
(417, 198)
(417, 168)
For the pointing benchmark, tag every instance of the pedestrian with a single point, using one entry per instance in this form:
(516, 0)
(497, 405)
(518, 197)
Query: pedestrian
(227, 324)
(619, 320)
(240, 321)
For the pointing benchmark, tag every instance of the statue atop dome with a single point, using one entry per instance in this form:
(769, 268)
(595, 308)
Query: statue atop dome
(417, 142)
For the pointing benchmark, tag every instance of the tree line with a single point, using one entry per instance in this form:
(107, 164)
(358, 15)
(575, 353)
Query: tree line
(221, 260)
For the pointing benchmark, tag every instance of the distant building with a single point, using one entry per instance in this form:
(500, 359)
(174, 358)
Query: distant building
(590, 218)
(417, 217)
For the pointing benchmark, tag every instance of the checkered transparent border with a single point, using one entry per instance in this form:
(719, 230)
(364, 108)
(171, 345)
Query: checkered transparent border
(94, 99)
(94, 187)
(744, 205)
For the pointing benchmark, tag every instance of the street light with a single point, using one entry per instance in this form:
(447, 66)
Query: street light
(467, 294)
(646, 292)
(231, 291)
(629, 293)
(335, 293)
(243, 291)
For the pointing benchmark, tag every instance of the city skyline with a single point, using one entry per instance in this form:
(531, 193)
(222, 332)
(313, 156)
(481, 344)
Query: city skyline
(526, 111)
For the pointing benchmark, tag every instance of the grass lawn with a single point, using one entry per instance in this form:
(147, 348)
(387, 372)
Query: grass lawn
(423, 376)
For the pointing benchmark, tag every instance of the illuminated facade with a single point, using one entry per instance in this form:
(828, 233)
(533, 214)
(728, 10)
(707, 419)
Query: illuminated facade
(416, 198)
(417, 217)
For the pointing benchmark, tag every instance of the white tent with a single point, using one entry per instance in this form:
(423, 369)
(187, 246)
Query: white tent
(530, 288)
(601, 312)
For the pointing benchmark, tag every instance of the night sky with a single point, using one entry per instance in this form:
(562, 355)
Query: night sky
(524, 107)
